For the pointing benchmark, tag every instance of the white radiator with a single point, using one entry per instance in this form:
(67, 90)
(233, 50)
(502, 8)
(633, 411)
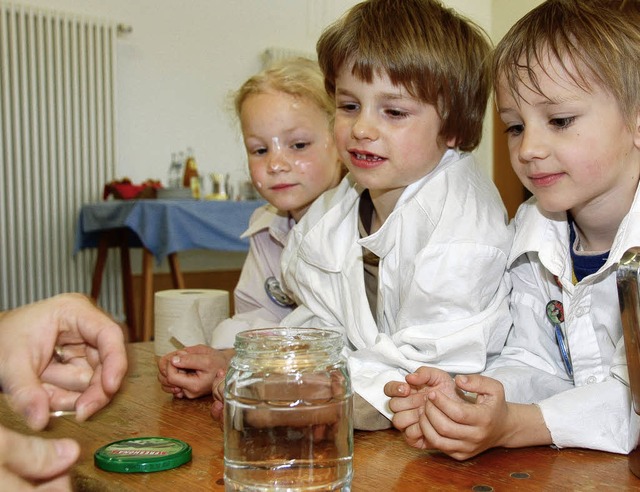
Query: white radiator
(57, 149)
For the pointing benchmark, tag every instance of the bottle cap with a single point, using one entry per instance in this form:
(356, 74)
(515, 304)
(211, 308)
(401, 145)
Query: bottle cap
(142, 455)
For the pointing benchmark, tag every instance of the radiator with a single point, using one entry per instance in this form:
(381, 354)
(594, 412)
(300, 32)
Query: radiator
(57, 147)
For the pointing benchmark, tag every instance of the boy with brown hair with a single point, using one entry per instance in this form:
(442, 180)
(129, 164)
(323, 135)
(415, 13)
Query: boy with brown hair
(407, 255)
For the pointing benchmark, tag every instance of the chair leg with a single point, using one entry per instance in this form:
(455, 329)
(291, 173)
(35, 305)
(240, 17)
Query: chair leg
(146, 314)
(176, 273)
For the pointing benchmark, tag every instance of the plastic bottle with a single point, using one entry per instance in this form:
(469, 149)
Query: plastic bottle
(175, 171)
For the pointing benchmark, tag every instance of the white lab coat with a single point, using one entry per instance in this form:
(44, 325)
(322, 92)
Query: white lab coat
(442, 285)
(267, 233)
(594, 410)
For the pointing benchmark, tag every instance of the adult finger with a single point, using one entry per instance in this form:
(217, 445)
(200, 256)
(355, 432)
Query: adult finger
(32, 402)
(36, 458)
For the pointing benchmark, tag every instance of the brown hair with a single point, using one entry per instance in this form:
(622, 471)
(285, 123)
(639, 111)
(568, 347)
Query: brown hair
(598, 39)
(298, 77)
(439, 57)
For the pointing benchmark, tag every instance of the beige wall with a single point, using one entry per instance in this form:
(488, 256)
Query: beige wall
(182, 59)
(506, 12)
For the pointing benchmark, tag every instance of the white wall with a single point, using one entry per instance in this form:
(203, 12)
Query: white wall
(178, 66)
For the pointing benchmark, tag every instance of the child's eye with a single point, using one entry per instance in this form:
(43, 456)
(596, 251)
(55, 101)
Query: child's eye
(514, 130)
(562, 123)
(348, 107)
(259, 151)
(397, 113)
(300, 145)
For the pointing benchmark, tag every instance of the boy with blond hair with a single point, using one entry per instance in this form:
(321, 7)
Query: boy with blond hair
(568, 91)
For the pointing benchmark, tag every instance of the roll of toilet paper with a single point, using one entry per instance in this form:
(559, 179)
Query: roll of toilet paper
(185, 317)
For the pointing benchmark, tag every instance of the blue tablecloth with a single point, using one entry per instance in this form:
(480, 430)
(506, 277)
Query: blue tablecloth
(168, 226)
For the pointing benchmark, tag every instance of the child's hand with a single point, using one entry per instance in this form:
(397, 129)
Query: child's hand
(163, 370)
(463, 429)
(408, 400)
(217, 407)
(192, 370)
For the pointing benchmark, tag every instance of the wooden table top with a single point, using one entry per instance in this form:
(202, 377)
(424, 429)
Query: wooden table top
(382, 460)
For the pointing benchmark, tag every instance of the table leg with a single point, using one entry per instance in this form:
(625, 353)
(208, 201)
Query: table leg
(146, 314)
(96, 282)
(176, 273)
(127, 290)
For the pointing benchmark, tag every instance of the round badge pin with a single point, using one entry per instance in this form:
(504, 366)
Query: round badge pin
(142, 455)
(276, 294)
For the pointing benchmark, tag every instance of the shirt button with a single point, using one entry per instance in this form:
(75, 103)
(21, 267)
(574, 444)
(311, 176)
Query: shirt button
(591, 379)
(580, 312)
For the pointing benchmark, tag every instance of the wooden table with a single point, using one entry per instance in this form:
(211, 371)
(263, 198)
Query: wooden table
(382, 461)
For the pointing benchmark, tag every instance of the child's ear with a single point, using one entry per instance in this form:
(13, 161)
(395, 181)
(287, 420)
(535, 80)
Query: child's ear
(636, 131)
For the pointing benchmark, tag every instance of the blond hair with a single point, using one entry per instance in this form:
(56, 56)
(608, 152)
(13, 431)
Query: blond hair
(438, 56)
(595, 41)
(299, 77)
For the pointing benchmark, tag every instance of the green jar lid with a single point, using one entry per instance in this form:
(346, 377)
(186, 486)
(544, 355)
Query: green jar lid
(142, 455)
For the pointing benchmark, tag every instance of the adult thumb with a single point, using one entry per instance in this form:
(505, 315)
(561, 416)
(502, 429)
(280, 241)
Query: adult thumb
(36, 458)
(32, 402)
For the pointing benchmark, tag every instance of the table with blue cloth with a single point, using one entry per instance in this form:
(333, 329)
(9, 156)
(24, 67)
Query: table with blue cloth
(161, 228)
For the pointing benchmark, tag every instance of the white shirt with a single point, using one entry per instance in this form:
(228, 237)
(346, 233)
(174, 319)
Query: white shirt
(442, 283)
(593, 410)
(268, 231)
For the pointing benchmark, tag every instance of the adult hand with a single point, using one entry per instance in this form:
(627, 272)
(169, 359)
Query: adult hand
(86, 371)
(26, 461)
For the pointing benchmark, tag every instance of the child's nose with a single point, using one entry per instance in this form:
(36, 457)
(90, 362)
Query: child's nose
(278, 162)
(364, 128)
(533, 145)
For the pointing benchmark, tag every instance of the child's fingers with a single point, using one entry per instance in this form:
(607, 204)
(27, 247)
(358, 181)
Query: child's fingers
(195, 362)
(217, 410)
(482, 385)
(437, 410)
(434, 439)
(217, 387)
(396, 389)
(199, 349)
(417, 400)
(427, 376)
(404, 419)
(414, 437)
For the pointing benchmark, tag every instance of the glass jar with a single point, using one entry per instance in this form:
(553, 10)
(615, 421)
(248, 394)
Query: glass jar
(288, 412)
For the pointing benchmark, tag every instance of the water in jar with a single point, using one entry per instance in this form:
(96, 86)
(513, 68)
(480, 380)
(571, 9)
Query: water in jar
(288, 430)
